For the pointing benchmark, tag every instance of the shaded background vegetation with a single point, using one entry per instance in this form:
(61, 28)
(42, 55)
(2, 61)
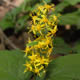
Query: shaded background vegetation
(15, 24)
(13, 35)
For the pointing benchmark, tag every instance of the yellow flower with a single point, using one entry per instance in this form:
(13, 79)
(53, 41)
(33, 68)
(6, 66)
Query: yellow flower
(47, 6)
(33, 29)
(48, 40)
(44, 19)
(38, 27)
(27, 50)
(53, 31)
(28, 67)
(54, 18)
(44, 11)
(37, 70)
(32, 57)
(43, 23)
(38, 13)
(49, 51)
(34, 18)
(44, 60)
(40, 44)
(40, 8)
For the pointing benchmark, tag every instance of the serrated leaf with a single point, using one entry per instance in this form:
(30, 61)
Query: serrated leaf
(60, 47)
(11, 66)
(64, 68)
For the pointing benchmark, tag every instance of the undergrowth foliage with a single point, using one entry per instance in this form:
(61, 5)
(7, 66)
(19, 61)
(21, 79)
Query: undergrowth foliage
(37, 52)
(37, 62)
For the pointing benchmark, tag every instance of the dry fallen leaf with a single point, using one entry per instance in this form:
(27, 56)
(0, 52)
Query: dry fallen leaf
(8, 5)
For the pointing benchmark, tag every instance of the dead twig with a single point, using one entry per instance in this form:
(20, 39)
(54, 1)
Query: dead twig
(7, 41)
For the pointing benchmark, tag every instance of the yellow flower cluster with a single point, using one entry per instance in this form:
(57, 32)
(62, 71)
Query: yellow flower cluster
(44, 25)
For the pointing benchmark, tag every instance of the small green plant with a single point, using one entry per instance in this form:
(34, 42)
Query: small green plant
(44, 25)
(45, 57)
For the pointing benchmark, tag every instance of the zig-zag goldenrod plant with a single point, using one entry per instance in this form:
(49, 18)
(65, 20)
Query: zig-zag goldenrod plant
(44, 25)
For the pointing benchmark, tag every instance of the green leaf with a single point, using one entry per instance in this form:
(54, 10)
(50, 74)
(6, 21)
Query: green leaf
(32, 43)
(11, 66)
(64, 68)
(12, 18)
(76, 47)
(61, 6)
(47, 1)
(70, 18)
(78, 24)
(21, 22)
(4, 24)
(60, 47)
(41, 77)
(9, 20)
(72, 2)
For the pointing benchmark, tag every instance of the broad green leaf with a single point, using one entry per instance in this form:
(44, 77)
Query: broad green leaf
(72, 2)
(11, 66)
(60, 47)
(76, 47)
(32, 43)
(64, 68)
(61, 6)
(78, 24)
(70, 18)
